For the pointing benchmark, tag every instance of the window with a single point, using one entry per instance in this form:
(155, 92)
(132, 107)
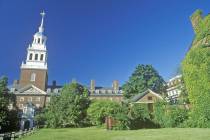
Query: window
(37, 105)
(42, 57)
(116, 91)
(149, 97)
(110, 91)
(103, 91)
(42, 41)
(33, 77)
(38, 40)
(20, 106)
(21, 99)
(12, 89)
(55, 90)
(25, 109)
(97, 91)
(38, 99)
(30, 99)
(36, 56)
(31, 56)
(10, 106)
(48, 90)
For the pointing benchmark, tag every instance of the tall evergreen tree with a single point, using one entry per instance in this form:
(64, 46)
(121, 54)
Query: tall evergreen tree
(143, 78)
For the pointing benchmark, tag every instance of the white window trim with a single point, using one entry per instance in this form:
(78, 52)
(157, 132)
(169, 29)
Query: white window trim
(33, 77)
(21, 99)
(38, 105)
(21, 106)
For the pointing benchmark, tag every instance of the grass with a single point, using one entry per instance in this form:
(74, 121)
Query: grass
(102, 134)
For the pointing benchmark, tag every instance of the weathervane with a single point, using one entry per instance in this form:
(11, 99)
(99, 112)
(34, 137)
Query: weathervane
(41, 29)
(42, 14)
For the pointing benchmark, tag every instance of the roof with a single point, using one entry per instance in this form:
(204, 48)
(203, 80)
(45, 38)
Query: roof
(175, 77)
(54, 86)
(104, 88)
(28, 87)
(141, 95)
(97, 95)
(39, 34)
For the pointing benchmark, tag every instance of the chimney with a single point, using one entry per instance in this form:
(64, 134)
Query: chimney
(115, 85)
(15, 82)
(54, 83)
(92, 85)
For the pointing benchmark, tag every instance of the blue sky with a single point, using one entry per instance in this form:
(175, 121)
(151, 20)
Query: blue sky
(98, 39)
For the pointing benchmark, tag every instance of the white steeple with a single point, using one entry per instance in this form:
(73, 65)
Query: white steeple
(37, 52)
(41, 28)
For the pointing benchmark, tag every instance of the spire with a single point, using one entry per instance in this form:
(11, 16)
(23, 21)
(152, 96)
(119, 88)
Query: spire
(41, 28)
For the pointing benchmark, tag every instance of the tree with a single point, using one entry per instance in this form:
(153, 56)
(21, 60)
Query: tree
(183, 97)
(68, 109)
(3, 103)
(143, 78)
(196, 74)
(100, 109)
(133, 116)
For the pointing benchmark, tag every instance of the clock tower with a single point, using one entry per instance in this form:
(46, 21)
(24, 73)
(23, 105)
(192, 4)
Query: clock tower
(34, 69)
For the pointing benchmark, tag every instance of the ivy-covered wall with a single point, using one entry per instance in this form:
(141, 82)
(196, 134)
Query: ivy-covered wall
(201, 26)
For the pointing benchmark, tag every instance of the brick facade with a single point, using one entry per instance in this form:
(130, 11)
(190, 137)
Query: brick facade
(40, 81)
(37, 100)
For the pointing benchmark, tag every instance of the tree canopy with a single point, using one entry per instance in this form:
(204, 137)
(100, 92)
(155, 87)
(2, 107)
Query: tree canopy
(100, 109)
(68, 109)
(144, 77)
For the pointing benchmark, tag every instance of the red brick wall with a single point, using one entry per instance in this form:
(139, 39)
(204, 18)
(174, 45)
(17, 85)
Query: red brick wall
(40, 81)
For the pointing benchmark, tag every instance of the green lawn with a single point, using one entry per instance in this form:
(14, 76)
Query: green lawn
(102, 134)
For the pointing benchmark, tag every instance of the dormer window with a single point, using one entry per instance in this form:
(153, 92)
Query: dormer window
(97, 91)
(33, 77)
(110, 91)
(48, 90)
(56, 90)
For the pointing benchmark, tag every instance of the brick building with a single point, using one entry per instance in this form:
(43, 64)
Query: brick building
(32, 92)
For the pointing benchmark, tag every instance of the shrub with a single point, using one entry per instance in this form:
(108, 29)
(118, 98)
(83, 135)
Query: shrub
(169, 115)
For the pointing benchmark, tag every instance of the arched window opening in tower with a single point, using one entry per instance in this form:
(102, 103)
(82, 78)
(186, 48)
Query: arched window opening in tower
(36, 56)
(38, 40)
(31, 56)
(42, 56)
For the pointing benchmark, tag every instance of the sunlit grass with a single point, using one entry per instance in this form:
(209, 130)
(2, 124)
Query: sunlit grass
(102, 134)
